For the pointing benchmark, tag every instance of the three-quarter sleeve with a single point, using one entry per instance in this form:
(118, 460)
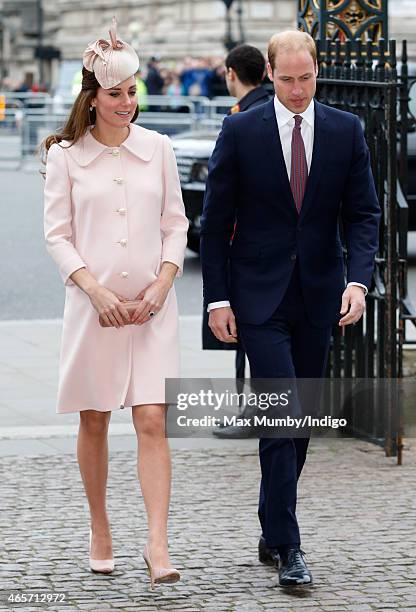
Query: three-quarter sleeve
(58, 215)
(173, 223)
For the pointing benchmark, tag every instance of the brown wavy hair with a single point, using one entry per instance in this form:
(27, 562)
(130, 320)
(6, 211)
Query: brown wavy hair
(80, 117)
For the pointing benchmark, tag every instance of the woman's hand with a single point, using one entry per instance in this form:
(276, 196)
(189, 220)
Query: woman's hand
(152, 299)
(109, 306)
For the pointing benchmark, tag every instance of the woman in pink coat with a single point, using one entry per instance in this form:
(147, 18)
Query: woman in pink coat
(116, 228)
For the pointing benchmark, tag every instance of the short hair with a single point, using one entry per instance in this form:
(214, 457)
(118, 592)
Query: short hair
(248, 63)
(290, 40)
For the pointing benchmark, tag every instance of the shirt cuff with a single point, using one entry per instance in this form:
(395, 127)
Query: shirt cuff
(214, 305)
(358, 285)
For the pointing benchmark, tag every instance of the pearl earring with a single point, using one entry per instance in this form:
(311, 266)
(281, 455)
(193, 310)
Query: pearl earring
(91, 109)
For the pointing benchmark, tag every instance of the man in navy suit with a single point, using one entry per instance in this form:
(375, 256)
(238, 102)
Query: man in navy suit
(287, 172)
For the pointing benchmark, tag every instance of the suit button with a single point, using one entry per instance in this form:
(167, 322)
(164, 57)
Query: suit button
(293, 256)
(121, 211)
(125, 274)
(123, 242)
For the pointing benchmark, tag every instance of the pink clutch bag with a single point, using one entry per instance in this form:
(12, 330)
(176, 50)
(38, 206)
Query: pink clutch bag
(129, 306)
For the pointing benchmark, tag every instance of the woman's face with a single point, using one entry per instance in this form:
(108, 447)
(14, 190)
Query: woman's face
(115, 107)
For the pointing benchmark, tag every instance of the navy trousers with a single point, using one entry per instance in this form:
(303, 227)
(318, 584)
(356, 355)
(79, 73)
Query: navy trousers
(287, 345)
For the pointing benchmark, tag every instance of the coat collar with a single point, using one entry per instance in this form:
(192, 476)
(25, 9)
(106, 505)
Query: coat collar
(140, 142)
(260, 93)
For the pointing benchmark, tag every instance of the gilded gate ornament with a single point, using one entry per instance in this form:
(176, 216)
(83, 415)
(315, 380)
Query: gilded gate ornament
(309, 18)
(344, 19)
(354, 16)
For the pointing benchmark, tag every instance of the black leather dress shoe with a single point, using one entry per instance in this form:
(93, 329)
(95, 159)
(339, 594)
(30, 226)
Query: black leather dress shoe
(293, 570)
(267, 556)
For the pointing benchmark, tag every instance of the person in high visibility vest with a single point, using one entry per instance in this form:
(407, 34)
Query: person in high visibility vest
(141, 89)
(2, 107)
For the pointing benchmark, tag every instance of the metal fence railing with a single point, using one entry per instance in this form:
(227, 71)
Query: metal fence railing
(27, 118)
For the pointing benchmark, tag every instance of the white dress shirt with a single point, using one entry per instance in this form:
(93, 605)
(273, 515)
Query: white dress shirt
(285, 123)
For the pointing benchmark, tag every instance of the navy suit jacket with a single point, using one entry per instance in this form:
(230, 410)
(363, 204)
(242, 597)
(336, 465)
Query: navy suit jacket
(248, 183)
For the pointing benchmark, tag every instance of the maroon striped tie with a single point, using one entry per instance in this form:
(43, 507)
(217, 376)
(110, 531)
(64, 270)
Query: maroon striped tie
(299, 165)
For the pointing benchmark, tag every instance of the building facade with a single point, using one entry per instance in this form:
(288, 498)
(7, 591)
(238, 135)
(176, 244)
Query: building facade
(171, 29)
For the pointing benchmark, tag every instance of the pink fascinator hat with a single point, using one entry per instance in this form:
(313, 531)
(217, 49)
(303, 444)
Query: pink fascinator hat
(112, 61)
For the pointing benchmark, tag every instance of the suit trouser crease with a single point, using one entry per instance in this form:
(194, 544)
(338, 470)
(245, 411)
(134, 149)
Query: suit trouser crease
(288, 346)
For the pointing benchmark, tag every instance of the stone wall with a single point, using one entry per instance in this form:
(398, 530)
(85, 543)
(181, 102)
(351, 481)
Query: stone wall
(169, 28)
(402, 24)
(174, 28)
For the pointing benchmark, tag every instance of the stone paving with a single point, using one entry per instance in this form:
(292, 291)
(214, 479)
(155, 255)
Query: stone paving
(357, 508)
(357, 513)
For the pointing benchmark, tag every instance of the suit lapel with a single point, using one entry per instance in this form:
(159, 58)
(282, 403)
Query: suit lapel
(318, 157)
(275, 159)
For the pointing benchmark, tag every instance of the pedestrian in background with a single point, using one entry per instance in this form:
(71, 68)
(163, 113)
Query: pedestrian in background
(154, 80)
(116, 228)
(245, 68)
(174, 91)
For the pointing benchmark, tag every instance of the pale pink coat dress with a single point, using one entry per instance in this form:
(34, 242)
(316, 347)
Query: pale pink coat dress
(119, 213)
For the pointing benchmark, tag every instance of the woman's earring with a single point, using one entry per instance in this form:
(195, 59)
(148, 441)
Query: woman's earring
(91, 109)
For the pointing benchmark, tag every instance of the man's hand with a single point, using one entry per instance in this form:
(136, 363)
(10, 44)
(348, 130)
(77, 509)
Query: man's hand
(222, 324)
(353, 305)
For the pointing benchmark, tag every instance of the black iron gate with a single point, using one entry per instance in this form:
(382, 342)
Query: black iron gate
(362, 78)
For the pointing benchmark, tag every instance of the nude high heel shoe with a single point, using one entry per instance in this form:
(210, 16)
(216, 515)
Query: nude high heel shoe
(102, 566)
(159, 575)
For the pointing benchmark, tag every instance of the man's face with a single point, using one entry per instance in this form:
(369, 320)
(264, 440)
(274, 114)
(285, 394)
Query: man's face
(294, 79)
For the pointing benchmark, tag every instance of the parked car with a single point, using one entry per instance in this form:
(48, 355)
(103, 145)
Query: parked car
(193, 150)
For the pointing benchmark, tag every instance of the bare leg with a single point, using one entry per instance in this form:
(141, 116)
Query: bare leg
(154, 472)
(92, 451)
